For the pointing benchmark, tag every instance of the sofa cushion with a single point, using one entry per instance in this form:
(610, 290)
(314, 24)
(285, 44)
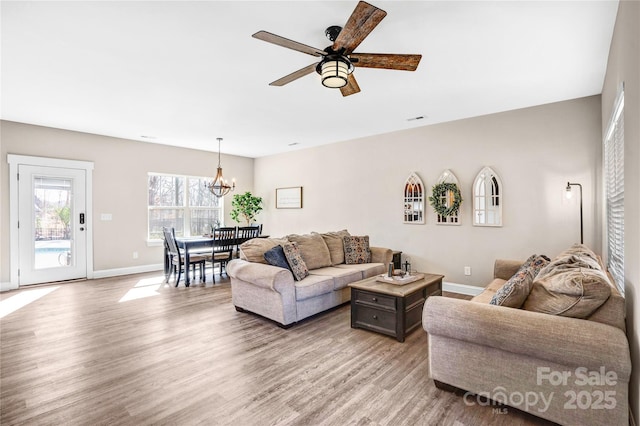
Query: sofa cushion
(341, 277)
(572, 285)
(312, 286)
(313, 249)
(489, 291)
(356, 249)
(254, 249)
(517, 288)
(335, 245)
(367, 270)
(276, 257)
(296, 263)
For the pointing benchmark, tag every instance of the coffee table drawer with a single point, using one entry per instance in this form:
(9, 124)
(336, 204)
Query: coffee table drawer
(375, 300)
(375, 319)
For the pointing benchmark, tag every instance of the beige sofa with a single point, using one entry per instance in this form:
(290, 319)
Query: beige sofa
(272, 291)
(567, 370)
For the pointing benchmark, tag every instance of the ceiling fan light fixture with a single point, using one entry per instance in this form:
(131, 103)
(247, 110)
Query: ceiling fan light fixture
(335, 72)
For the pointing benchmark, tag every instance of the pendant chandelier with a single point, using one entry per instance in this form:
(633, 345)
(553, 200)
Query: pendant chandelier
(220, 187)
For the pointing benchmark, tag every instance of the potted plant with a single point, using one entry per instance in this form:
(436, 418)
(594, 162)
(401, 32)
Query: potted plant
(245, 206)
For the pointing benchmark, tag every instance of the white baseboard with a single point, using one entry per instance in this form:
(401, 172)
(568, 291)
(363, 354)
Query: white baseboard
(106, 273)
(7, 285)
(469, 290)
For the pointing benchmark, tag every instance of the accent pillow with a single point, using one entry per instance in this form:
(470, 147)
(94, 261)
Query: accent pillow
(569, 286)
(515, 291)
(298, 267)
(276, 257)
(335, 245)
(254, 249)
(313, 249)
(356, 249)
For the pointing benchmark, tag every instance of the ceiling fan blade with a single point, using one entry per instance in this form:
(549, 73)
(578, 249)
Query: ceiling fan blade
(386, 61)
(351, 88)
(362, 21)
(290, 44)
(294, 75)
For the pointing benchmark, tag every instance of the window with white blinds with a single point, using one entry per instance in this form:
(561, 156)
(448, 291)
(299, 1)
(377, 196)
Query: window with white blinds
(614, 191)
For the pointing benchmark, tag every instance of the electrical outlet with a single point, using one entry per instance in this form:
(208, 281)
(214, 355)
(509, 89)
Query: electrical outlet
(135, 254)
(467, 270)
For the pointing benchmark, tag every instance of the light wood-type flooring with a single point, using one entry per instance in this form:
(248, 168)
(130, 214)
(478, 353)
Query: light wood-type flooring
(132, 351)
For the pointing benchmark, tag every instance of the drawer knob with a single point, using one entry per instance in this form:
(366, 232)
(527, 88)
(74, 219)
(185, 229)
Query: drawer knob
(375, 317)
(375, 299)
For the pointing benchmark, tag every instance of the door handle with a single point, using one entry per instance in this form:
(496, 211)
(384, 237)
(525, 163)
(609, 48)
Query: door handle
(81, 218)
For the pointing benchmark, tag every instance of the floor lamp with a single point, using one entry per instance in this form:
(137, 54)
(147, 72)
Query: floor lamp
(568, 193)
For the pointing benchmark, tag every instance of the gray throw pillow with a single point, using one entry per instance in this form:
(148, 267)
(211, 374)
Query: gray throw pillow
(276, 257)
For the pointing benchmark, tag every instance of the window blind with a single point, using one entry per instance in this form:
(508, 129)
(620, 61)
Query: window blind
(614, 187)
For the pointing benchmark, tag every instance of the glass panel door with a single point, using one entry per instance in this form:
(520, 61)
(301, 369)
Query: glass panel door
(52, 224)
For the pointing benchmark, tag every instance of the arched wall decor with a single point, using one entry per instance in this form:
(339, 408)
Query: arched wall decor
(487, 198)
(414, 199)
(447, 199)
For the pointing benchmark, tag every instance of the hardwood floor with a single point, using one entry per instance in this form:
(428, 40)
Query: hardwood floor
(132, 351)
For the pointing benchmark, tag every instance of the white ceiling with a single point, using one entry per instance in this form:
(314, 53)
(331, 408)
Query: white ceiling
(185, 73)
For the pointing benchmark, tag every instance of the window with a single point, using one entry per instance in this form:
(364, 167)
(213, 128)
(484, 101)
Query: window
(181, 202)
(614, 191)
(487, 199)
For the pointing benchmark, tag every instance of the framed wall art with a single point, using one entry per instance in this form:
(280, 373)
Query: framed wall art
(289, 198)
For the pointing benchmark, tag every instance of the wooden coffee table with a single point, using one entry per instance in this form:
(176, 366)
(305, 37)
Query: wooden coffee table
(394, 310)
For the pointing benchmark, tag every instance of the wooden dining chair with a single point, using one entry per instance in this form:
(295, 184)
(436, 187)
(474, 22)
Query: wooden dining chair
(177, 258)
(245, 233)
(224, 240)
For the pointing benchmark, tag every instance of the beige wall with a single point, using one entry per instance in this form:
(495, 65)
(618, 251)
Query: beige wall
(358, 185)
(624, 66)
(119, 185)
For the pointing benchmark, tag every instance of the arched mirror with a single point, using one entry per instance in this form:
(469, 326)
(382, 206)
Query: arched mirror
(446, 199)
(413, 199)
(487, 198)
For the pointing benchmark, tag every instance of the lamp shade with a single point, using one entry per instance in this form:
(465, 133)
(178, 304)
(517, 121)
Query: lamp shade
(334, 73)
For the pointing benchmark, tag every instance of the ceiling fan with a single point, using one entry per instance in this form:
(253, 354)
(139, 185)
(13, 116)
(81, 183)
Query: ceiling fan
(338, 60)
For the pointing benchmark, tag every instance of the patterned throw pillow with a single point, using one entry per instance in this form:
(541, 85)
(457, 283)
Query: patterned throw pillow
(515, 291)
(356, 249)
(276, 257)
(296, 263)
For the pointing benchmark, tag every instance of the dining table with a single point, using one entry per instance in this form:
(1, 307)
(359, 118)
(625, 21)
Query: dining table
(191, 244)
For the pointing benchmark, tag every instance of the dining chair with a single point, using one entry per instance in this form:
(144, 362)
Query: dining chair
(177, 258)
(245, 233)
(224, 240)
